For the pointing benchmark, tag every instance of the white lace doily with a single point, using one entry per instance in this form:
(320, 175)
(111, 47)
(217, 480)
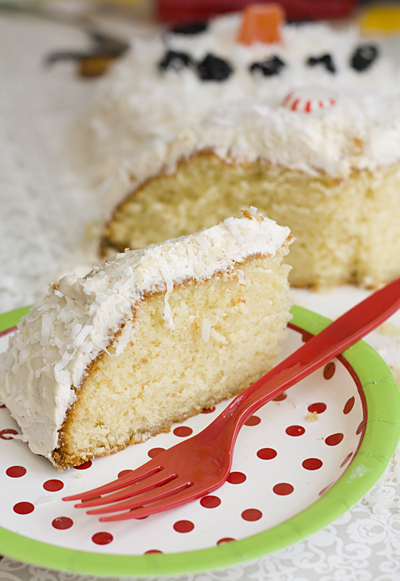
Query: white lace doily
(45, 217)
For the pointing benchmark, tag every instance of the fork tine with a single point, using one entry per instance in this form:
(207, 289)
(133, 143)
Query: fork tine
(149, 483)
(148, 469)
(169, 489)
(183, 496)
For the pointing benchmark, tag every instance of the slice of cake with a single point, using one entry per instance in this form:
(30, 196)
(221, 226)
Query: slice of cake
(148, 338)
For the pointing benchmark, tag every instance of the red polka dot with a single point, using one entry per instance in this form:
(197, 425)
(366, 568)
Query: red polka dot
(225, 540)
(236, 478)
(346, 459)
(329, 370)
(348, 406)
(62, 523)
(267, 453)
(156, 451)
(124, 473)
(183, 526)
(8, 434)
(210, 501)
(253, 421)
(251, 514)
(2, 405)
(16, 471)
(334, 439)
(295, 431)
(152, 552)
(208, 410)
(23, 507)
(361, 427)
(102, 538)
(280, 397)
(183, 431)
(283, 489)
(318, 407)
(84, 466)
(312, 464)
(53, 485)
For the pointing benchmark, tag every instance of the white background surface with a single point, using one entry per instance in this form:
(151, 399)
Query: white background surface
(44, 215)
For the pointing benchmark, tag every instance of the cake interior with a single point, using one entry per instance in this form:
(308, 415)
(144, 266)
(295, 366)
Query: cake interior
(227, 333)
(342, 228)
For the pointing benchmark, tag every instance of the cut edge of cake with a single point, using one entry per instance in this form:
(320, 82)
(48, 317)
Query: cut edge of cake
(357, 216)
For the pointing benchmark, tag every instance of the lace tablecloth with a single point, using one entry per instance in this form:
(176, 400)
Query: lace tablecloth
(46, 214)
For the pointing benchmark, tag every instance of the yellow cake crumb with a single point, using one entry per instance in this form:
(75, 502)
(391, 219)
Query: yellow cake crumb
(312, 417)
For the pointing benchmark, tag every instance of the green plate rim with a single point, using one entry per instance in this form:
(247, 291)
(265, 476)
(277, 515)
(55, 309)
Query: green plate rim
(378, 445)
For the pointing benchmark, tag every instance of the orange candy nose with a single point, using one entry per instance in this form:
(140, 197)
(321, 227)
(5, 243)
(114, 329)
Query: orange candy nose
(261, 23)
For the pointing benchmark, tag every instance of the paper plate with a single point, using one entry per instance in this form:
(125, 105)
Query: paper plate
(299, 463)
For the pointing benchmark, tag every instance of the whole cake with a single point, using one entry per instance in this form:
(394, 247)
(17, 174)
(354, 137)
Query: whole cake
(148, 338)
(189, 128)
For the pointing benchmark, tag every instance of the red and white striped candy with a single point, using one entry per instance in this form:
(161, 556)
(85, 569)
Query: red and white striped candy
(309, 99)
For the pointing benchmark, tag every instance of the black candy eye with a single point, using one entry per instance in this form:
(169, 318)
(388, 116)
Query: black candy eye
(324, 60)
(190, 28)
(213, 68)
(268, 67)
(363, 57)
(175, 61)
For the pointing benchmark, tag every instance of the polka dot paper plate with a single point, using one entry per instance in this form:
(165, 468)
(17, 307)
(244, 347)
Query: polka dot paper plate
(299, 463)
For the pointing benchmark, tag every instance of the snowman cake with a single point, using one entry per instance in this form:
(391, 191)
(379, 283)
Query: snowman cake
(197, 123)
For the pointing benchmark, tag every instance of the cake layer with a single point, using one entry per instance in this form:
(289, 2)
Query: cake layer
(345, 230)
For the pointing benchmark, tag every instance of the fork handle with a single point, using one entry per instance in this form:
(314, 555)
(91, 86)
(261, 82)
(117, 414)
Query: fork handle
(333, 340)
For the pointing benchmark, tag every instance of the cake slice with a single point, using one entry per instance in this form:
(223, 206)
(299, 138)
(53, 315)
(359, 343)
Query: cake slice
(148, 338)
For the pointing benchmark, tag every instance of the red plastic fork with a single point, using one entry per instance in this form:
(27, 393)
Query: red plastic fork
(201, 464)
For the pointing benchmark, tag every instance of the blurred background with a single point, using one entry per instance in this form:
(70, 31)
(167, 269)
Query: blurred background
(127, 17)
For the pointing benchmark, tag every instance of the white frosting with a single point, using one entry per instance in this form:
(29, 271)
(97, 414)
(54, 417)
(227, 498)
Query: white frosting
(61, 335)
(144, 120)
(330, 143)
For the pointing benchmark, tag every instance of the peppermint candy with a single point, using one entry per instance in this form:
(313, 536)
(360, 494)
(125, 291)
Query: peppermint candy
(310, 99)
